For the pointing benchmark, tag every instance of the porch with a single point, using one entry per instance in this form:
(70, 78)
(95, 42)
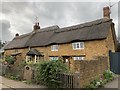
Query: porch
(34, 56)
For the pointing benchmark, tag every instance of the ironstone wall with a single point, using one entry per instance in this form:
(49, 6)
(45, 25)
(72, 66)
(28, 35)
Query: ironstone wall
(90, 70)
(86, 71)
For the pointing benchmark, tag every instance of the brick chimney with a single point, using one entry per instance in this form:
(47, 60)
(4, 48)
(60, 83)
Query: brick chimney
(106, 12)
(36, 27)
(16, 35)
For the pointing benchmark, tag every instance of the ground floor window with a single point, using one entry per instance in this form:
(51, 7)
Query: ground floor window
(79, 58)
(34, 59)
(39, 58)
(29, 58)
(54, 58)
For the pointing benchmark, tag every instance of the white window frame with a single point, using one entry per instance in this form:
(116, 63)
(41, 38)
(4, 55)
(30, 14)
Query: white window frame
(37, 59)
(78, 45)
(79, 58)
(16, 50)
(28, 59)
(54, 58)
(54, 48)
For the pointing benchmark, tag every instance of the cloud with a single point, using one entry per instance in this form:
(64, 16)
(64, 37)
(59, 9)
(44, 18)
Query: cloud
(119, 21)
(6, 33)
(22, 14)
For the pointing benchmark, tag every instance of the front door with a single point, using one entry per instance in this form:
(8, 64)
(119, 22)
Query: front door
(67, 60)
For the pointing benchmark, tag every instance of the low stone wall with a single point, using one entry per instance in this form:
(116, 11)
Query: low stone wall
(90, 70)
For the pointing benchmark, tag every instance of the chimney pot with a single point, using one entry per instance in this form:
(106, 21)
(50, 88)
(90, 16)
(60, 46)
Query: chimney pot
(36, 26)
(106, 12)
(16, 35)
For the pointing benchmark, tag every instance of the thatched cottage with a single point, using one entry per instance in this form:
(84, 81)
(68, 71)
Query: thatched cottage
(79, 42)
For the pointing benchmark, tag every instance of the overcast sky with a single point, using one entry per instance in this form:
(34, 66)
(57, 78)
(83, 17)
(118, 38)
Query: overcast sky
(19, 17)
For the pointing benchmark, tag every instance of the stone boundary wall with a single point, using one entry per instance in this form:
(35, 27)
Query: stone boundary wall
(90, 70)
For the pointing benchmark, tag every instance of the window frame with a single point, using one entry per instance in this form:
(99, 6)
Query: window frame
(54, 47)
(16, 50)
(78, 45)
(53, 58)
(79, 58)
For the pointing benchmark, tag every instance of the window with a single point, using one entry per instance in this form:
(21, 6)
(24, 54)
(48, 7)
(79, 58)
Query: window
(78, 45)
(38, 59)
(53, 58)
(16, 50)
(28, 59)
(54, 48)
(78, 58)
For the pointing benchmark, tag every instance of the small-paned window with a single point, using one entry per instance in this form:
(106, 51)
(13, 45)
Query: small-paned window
(78, 58)
(54, 48)
(54, 58)
(78, 45)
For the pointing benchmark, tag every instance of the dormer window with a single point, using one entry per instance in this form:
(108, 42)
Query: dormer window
(78, 45)
(54, 48)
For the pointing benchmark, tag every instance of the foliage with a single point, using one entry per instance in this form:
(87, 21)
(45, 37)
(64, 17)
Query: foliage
(27, 82)
(97, 83)
(32, 64)
(46, 72)
(2, 43)
(21, 64)
(107, 76)
(13, 77)
(1, 60)
(15, 71)
(9, 59)
(89, 87)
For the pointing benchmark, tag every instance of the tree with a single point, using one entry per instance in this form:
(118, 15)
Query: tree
(0, 44)
(46, 72)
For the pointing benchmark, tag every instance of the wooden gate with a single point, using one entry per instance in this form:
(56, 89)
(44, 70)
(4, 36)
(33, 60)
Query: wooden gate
(69, 80)
(115, 62)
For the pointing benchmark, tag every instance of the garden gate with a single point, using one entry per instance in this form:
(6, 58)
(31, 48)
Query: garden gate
(115, 62)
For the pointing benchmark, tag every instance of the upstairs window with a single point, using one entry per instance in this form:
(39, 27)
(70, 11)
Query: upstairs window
(16, 50)
(54, 48)
(54, 58)
(79, 58)
(78, 45)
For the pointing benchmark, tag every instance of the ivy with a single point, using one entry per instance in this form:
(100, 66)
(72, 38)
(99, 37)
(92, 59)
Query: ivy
(46, 73)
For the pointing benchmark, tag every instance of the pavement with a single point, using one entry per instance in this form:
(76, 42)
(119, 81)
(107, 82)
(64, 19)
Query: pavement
(114, 84)
(8, 84)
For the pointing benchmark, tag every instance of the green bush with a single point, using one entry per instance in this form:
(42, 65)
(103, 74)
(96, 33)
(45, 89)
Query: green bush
(46, 73)
(21, 64)
(108, 75)
(90, 87)
(13, 77)
(100, 82)
(9, 59)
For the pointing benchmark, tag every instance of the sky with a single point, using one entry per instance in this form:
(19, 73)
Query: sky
(19, 16)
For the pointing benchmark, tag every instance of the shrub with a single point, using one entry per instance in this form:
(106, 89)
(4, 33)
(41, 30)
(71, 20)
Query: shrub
(9, 59)
(1, 60)
(46, 73)
(21, 64)
(100, 82)
(108, 75)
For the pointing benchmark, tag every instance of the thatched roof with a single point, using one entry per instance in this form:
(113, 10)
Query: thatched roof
(95, 30)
